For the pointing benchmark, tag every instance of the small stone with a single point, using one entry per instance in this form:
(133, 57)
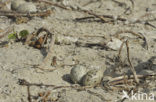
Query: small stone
(93, 77)
(27, 7)
(77, 73)
(15, 4)
(114, 44)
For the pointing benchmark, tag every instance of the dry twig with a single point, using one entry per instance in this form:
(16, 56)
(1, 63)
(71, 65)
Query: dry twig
(101, 17)
(135, 34)
(92, 13)
(76, 87)
(17, 14)
(121, 47)
(120, 79)
(29, 95)
(127, 46)
(131, 66)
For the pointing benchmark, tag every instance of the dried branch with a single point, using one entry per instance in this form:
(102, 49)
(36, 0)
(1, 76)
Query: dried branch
(112, 19)
(121, 47)
(131, 66)
(135, 34)
(17, 14)
(71, 8)
(149, 24)
(23, 82)
(92, 13)
(120, 79)
(29, 95)
(128, 56)
(127, 31)
(101, 17)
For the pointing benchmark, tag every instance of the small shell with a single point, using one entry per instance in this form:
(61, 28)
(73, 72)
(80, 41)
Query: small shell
(93, 77)
(114, 44)
(77, 73)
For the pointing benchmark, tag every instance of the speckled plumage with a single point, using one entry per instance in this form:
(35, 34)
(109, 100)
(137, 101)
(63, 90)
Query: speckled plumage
(93, 77)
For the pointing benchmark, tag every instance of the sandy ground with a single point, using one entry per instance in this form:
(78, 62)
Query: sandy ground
(17, 59)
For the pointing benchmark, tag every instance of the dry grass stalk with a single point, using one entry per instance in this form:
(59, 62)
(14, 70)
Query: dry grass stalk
(76, 87)
(139, 35)
(23, 82)
(17, 14)
(101, 17)
(116, 80)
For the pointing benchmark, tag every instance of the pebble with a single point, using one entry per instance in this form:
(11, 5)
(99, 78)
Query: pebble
(16, 3)
(114, 44)
(26, 8)
(93, 77)
(77, 73)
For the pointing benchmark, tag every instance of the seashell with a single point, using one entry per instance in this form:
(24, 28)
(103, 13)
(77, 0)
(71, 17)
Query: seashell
(93, 77)
(77, 73)
(114, 44)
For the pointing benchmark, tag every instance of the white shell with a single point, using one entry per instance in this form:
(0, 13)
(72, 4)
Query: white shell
(15, 4)
(114, 44)
(77, 73)
(65, 39)
(27, 7)
(93, 77)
